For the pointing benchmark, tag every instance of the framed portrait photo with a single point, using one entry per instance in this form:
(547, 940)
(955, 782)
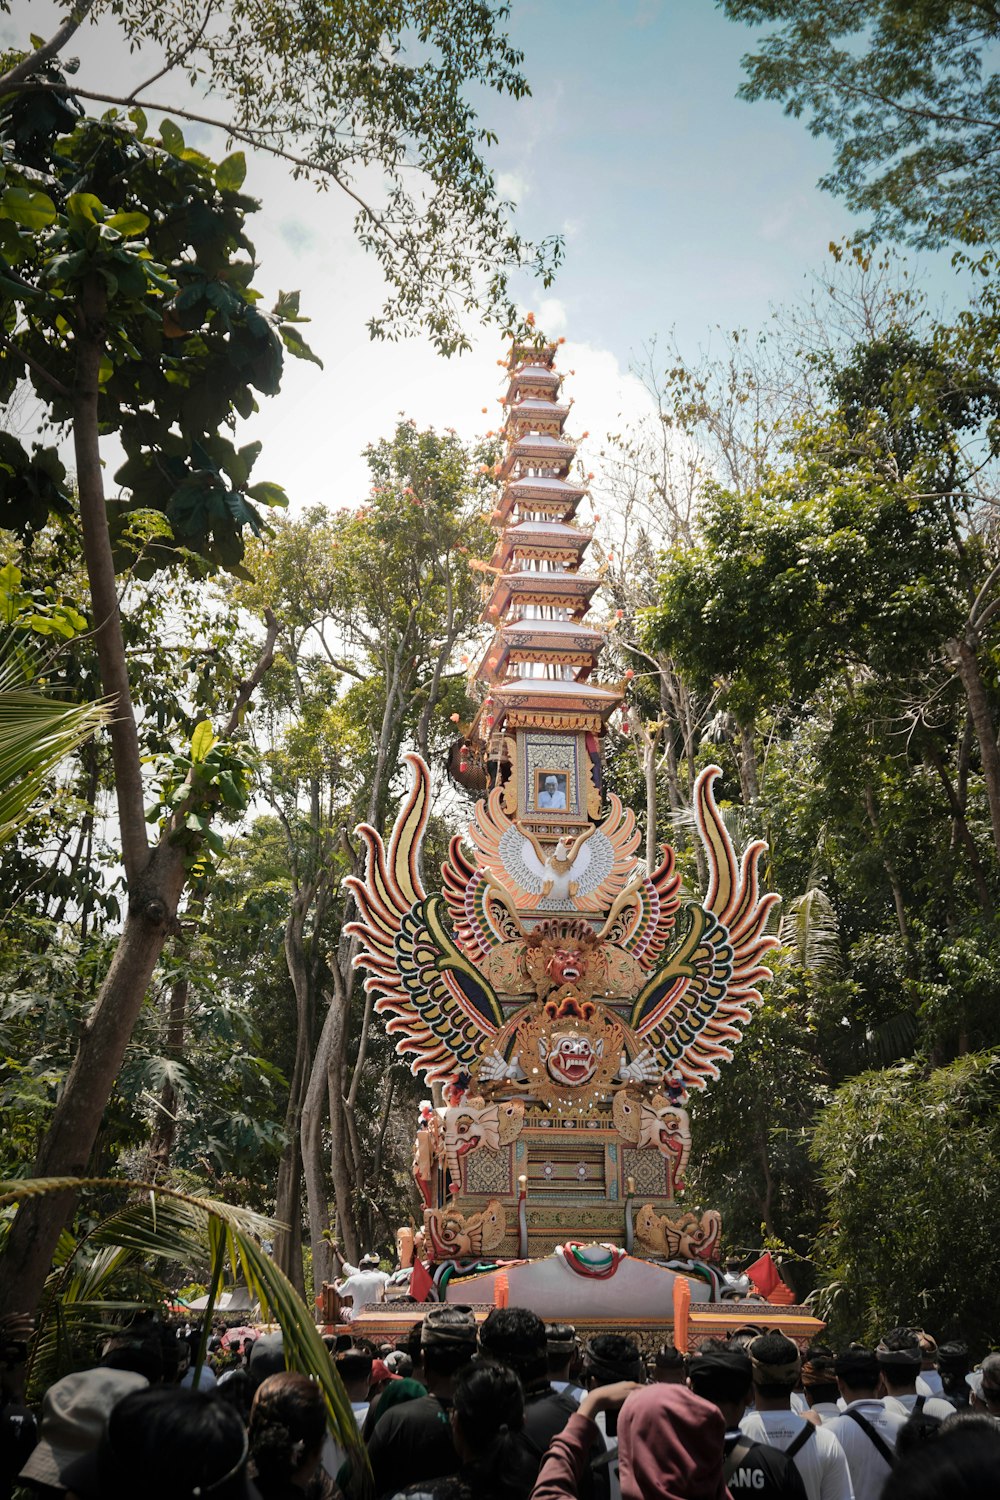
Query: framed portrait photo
(551, 789)
(551, 768)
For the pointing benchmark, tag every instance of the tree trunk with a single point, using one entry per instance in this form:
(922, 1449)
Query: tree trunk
(650, 747)
(749, 781)
(108, 640)
(165, 1129)
(288, 1206)
(767, 1202)
(326, 1075)
(314, 1111)
(889, 867)
(963, 833)
(155, 879)
(287, 1253)
(68, 1142)
(967, 665)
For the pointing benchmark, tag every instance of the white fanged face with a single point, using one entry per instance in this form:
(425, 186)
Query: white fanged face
(572, 1060)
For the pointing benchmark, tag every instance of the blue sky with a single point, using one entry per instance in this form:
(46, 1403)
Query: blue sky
(685, 205)
(683, 208)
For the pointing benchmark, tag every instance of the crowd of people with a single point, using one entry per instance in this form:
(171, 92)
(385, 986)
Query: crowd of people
(509, 1408)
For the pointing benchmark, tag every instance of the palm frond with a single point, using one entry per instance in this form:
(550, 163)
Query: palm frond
(36, 732)
(164, 1224)
(811, 929)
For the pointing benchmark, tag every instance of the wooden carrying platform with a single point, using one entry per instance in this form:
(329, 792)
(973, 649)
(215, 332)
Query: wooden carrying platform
(390, 1321)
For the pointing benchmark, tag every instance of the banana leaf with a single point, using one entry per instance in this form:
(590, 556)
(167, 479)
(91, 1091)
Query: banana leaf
(163, 1225)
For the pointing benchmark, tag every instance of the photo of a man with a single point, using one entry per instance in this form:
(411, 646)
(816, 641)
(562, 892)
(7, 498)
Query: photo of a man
(552, 793)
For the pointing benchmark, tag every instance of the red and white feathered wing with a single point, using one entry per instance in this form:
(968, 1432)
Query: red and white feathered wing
(698, 999)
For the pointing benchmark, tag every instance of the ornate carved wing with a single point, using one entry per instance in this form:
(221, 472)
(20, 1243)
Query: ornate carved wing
(693, 1007)
(642, 918)
(439, 1006)
(479, 906)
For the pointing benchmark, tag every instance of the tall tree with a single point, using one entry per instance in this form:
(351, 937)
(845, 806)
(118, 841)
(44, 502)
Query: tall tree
(908, 92)
(902, 1148)
(128, 284)
(372, 605)
(372, 99)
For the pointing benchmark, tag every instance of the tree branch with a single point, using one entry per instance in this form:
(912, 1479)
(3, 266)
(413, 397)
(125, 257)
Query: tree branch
(39, 369)
(249, 687)
(35, 60)
(236, 133)
(173, 58)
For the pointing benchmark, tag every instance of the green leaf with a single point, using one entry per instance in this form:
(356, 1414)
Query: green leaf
(230, 172)
(86, 207)
(202, 740)
(297, 346)
(129, 224)
(268, 494)
(172, 137)
(138, 118)
(35, 733)
(30, 209)
(287, 308)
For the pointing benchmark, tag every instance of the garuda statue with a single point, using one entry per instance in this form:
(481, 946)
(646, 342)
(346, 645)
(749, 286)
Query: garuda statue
(564, 986)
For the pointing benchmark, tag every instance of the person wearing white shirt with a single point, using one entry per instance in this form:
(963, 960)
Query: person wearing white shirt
(552, 794)
(821, 1393)
(899, 1358)
(929, 1380)
(867, 1431)
(362, 1284)
(816, 1453)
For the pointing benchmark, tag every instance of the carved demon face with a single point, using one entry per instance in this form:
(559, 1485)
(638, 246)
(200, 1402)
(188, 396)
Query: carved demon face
(573, 1058)
(566, 964)
(564, 953)
(468, 1130)
(474, 1124)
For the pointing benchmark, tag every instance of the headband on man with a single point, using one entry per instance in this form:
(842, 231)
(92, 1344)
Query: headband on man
(901, 1359)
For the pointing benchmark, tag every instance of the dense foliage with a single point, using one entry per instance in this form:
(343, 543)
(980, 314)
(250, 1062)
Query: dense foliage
(834, 620)
(908, 92)
(804, 586)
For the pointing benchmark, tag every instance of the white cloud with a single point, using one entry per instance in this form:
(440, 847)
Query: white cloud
(513, 185)
(551, 315)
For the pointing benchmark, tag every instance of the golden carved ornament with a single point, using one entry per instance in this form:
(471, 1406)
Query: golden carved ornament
(453, 1235)
(685, 1237)
(569, 1051)
(564, 957)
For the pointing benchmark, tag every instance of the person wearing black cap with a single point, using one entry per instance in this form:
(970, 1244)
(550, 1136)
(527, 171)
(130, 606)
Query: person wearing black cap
(610, 1358)
(413, 1442)
(562, 1348)
(953, 1366)
(865, 1430)
(669, 1366)
(899, 1358)
(775, 1364)
(721, 1374)
(515, 1336)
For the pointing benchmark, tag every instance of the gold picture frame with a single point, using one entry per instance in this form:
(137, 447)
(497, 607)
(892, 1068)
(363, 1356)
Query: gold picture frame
(552, 784)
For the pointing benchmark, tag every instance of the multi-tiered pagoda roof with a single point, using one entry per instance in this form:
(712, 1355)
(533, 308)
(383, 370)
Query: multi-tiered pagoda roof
(539, 667)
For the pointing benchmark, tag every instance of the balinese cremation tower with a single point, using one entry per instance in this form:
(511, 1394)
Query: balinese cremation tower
(561, 999)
